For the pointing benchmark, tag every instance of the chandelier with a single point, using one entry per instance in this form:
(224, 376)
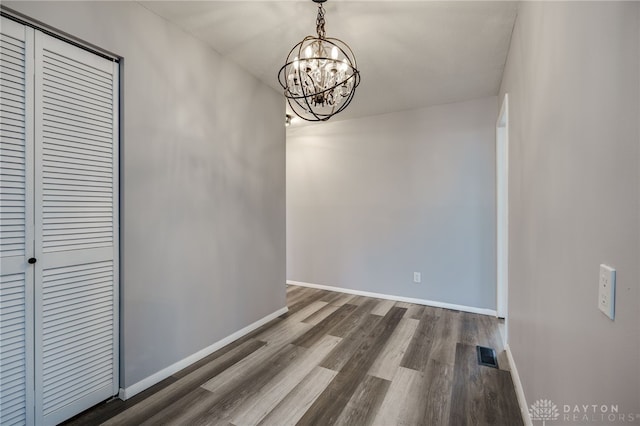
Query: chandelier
(320, 75)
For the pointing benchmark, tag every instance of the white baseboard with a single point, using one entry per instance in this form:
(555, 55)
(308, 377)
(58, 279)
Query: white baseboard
(463, 308)
(517, 384)
(126, 393)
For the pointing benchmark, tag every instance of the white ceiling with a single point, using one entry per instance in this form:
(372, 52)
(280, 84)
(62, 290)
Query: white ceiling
(410, 53)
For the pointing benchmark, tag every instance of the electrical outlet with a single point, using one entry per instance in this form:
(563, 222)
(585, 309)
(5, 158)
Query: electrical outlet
(607, 291)
(417, 277)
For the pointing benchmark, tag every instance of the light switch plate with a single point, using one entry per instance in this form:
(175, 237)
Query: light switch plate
(607, 291)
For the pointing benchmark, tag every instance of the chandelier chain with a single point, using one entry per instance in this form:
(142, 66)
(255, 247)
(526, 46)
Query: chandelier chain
(320, 22)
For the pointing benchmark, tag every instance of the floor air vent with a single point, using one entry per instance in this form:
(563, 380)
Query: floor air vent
(487, 356)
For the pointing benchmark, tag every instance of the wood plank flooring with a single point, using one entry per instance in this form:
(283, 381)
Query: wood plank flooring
(337, 359)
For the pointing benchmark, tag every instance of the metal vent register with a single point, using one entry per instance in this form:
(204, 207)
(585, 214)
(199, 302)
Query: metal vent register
(487, 356)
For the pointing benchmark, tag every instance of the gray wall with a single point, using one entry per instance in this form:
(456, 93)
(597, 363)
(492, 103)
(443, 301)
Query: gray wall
(371, 200)
(573, 81)
(203, 187)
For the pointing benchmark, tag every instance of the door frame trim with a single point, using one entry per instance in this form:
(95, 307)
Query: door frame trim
(502, 213)
(18, 17)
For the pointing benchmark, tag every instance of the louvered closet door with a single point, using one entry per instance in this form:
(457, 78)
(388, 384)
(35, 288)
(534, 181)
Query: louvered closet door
(16, 224)
(76, 231)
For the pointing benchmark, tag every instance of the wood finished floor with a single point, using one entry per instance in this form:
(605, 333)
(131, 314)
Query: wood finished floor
(337, 359)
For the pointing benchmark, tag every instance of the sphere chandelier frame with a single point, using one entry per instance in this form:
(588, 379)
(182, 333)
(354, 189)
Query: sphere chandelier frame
(320, 75)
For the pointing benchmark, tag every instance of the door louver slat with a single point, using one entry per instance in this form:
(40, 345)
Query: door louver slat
(12, 117)
(67, 136)
(66, 338)
(12, 349)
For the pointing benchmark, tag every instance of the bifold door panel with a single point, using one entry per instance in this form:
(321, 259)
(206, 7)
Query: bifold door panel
(68, 170)
(16, 224)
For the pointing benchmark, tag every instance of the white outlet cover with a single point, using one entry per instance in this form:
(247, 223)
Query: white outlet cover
(607, 291)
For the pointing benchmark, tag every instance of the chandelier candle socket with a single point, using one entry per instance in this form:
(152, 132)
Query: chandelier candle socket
(320, 75)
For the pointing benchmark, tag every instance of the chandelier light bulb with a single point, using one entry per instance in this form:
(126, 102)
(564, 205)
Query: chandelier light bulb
(320, 75)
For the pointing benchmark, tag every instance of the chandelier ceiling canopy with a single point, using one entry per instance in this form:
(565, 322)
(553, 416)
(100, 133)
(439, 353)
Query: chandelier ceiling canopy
(320, 75)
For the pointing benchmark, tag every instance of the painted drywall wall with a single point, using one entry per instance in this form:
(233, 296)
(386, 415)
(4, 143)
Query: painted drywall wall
(371, 201)
(573, 81)
(203, 189)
